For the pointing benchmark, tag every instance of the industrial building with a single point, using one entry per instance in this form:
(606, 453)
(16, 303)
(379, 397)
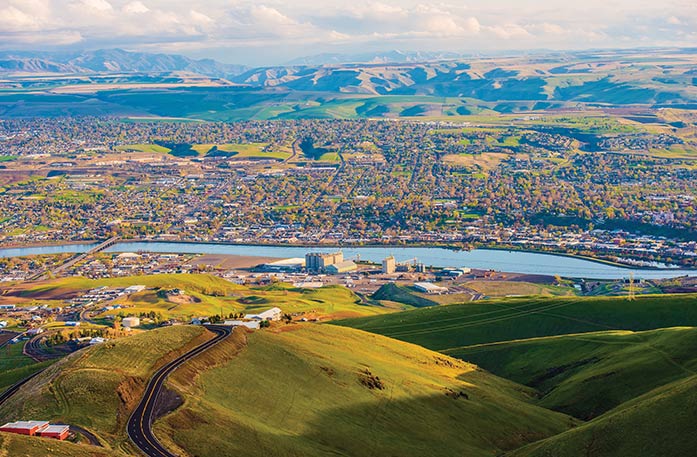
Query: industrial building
(389, 265)
(273, 314)
(37, 428)
(318, 262)
(341, 267)
(285, 265)
(130, 322)
(430, 288)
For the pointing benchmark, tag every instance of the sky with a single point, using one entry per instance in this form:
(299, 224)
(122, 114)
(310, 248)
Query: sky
(267, 32)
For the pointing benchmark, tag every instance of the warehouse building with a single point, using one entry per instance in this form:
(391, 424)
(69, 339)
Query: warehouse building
(341, 267)
(130, 322)
(430, 288)
(37, 428)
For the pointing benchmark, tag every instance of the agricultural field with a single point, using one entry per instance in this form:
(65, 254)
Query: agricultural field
(309, 390)
(143, 148)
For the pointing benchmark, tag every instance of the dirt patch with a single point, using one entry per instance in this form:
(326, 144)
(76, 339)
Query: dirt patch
(231, 262)
(129, 391)
(369, 380)
(168, 401)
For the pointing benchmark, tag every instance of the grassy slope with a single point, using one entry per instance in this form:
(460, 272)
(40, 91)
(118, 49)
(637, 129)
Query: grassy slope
(214, 295)
(96, 388)
(25, 446)
(588, 374)
(15, 366)
(659, 423)
(296, 392)
(453, 326)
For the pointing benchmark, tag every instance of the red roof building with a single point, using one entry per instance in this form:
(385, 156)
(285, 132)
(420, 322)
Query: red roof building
(58, 432)
(24, 427)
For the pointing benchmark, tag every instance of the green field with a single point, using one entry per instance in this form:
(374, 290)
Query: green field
(244, 151)
(15, 366)
(143, 148)
(454, 326)
(304, 391)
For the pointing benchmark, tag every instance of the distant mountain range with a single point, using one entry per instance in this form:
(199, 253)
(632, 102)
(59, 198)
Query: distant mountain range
(393, 56)
(111, 61)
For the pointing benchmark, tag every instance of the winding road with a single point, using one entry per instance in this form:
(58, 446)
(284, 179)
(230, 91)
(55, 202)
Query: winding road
(140, 423)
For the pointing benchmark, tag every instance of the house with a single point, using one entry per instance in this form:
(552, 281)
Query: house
(273, 314)
(7, 307)
(96, 340)
(72, 324)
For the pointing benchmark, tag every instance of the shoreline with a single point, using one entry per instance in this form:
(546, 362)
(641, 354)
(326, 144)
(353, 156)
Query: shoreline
(455, 248)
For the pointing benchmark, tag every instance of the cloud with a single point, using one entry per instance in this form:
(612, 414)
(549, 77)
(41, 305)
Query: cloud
(256, 28)
(97, 5)
(135, 8)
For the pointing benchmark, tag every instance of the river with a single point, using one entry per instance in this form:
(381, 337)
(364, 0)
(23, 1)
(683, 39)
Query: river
(500, 260)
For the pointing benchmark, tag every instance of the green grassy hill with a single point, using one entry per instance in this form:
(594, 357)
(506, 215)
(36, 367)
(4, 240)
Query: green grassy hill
(98, 387)
(26, 446)
(659, 423)
(588, 374)
(311, 390)
(206, 295)
(454, 326)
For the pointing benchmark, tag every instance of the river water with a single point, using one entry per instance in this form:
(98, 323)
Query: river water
(509, 261)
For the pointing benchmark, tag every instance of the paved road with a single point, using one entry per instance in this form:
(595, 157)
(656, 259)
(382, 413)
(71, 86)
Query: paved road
(140, 423)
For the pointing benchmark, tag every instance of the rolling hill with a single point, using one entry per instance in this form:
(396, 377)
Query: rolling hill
(455, 326)
(98, 387)
(312, 390)
(657, 423)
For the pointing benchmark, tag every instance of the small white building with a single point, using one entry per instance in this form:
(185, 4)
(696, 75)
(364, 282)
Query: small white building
(273, 314)
(130, 322)
(430, 288)
(254, 325)
(134, 289)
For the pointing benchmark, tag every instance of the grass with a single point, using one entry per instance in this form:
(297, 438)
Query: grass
(30, 446)
(486, 161)
(394, 293)
(588, 374)
(656, 423)
(516, 288)
(15, 366)
(302, 390)
(212, 295)
(246, 151)
(97, 388)
(7, 158)
(156, 148)
(448, 327)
